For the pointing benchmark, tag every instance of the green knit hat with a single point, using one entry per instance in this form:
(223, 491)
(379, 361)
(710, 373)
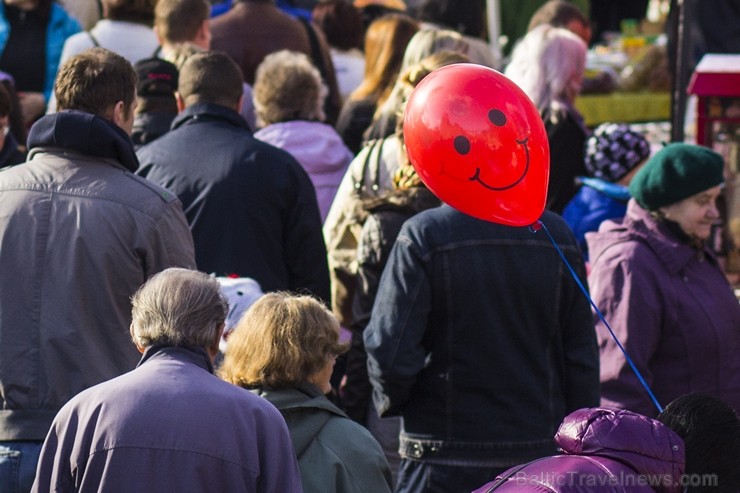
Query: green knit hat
(674, 173)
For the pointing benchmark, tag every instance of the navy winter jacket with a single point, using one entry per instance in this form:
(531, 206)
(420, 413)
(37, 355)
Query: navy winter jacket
(251, 207)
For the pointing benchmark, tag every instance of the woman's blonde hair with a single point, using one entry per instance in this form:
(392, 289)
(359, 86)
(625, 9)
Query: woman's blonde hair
(281, 341)
(407, 82)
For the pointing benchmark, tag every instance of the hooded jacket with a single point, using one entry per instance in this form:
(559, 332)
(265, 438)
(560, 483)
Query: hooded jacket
(335, 454)
(604, 451)
(318, 148)
(671, 307)
(79, 233)
(596, 201)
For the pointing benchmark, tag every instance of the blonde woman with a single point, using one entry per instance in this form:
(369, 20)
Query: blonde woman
(284, 349)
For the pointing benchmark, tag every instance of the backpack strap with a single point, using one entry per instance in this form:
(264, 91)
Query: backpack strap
(378, 155)
(94, 41)
(374, 153)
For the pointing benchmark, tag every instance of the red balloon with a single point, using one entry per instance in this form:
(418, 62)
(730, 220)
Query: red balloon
(479, 144)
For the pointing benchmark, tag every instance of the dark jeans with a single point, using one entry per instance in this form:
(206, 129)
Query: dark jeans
(18, 465)
(422, 477)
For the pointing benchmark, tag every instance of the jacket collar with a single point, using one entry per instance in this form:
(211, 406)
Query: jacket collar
(299, 396)
(209, 112)
(191, 354)
(85, 133)
(672, 252)
(298, 405)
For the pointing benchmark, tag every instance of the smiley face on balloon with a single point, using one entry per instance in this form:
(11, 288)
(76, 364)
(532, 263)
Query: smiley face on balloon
(479, 144)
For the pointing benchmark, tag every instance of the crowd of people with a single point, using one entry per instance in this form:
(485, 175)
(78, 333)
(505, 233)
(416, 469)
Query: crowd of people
(221, 271)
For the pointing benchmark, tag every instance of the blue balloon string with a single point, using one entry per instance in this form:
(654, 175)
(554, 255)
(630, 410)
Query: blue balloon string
(536, 227)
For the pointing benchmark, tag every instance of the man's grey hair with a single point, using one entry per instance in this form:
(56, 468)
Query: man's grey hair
(178, 307)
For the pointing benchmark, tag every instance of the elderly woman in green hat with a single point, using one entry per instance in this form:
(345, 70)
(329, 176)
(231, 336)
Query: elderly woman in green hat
(661, 289)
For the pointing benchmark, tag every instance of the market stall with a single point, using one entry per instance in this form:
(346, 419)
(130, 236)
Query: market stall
(647, 106)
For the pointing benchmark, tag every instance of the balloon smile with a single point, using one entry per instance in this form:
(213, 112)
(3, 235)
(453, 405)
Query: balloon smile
(476, 175)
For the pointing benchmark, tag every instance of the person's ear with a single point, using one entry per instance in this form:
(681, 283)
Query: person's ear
(203, 36)
(139, 347)
(240, 104)
(160, 39)
(180, 102)
(119, 113)
(213, 348)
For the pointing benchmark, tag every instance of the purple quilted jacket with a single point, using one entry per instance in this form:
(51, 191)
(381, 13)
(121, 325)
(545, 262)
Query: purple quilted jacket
(604, 450)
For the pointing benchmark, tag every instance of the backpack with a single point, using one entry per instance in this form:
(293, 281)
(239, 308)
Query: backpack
(344, 238)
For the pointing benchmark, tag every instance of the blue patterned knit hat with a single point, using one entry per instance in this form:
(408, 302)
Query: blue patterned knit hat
(614, 150)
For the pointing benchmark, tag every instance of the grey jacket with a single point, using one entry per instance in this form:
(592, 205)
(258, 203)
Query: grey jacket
(79, 233)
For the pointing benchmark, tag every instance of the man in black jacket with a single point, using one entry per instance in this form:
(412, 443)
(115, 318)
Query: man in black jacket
(251, 207)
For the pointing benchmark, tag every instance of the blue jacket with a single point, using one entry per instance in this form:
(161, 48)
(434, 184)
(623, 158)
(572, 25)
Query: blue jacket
(61, 26)
(480, 338)
(251, 207)
(595, 201)
(168, 425)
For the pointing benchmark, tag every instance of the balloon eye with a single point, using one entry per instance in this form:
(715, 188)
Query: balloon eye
(462, 144)
(497, 117)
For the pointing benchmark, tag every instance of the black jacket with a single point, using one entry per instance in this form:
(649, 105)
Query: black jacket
(480, 338)
(567, 139)
(251, 207)
(11, 154)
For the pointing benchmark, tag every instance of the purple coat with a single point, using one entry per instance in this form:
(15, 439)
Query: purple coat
(319, 149)
(671, 307)
(168, 425)
(605, 450)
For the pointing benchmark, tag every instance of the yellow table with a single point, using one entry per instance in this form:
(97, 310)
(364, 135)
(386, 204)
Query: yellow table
(624, 107)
